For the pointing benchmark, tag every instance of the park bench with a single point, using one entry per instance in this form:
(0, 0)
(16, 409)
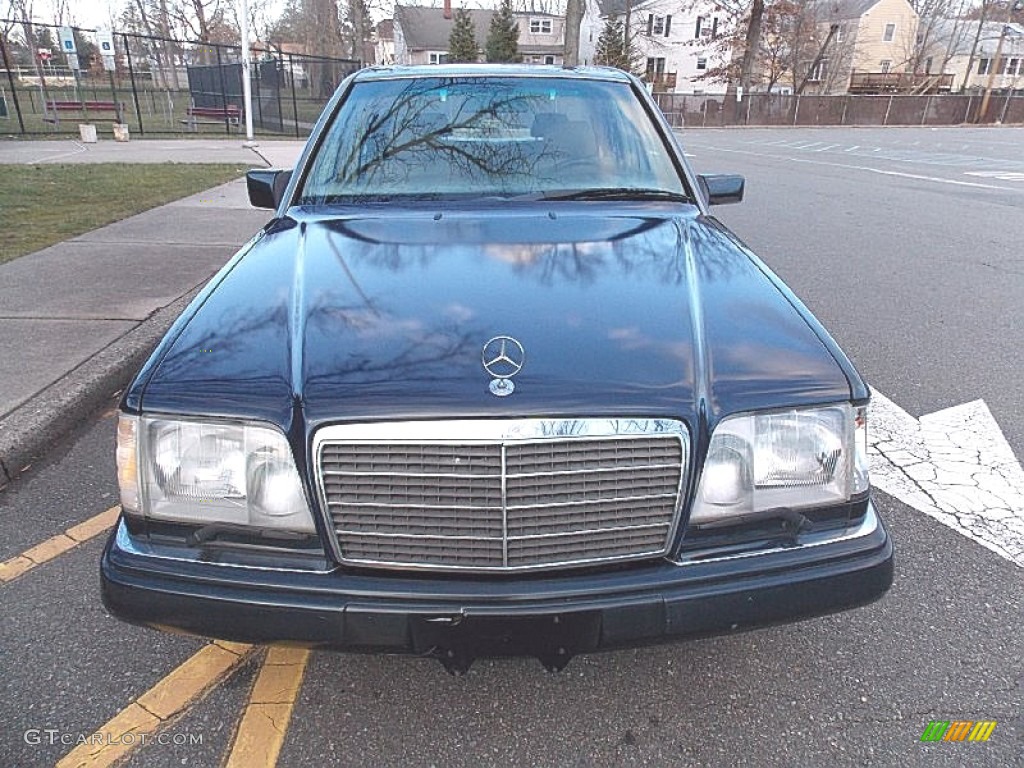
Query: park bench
(232, 113)
(54, 108)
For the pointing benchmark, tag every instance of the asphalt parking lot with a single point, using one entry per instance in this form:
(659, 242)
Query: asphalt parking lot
(908, 244)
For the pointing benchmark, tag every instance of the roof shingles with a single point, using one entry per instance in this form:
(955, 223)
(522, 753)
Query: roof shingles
(426, 29)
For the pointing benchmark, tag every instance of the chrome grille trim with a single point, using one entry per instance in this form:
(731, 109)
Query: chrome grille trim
(581, 502)
(585, 514)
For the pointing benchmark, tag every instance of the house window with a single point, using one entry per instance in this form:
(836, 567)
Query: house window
(1013, 67)
(983, 65)
(698, 91)
(660, 26)
(540, 26)
(702, 63)
(890, 33)
(436, 57)
(928, 65)
(707, 26)
(549, 59)
(885, 65)
(818, 72)
(655, 68)
(840, 33)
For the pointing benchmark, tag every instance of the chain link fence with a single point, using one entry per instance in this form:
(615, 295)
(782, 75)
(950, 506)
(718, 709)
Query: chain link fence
(164, 86)
(158, 86)
(720, 110)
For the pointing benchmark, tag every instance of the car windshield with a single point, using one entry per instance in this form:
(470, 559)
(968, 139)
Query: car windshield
(477, 137)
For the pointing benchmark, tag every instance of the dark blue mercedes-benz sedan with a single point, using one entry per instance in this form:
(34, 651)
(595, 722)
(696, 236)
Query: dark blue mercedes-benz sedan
(493, 381)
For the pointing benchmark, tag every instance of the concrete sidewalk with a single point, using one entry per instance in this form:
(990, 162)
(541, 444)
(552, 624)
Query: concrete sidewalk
(78, 318)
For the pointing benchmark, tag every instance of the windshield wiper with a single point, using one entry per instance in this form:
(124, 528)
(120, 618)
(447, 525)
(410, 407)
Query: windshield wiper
(620, 193)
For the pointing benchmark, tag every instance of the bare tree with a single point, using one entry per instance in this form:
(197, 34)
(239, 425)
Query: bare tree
(205, 21)
(24, 10)
(9, 22)
(573, 21)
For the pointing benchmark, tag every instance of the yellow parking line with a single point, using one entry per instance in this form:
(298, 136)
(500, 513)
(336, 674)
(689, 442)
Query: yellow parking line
(184, 686)
(265, 719)
(47, 550)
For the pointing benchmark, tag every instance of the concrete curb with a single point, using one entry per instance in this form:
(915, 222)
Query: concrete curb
(29, 431)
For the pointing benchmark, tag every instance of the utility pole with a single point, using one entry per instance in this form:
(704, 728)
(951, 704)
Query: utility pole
(246, 75)
(573, 20)
(832, 30)
(974, 47)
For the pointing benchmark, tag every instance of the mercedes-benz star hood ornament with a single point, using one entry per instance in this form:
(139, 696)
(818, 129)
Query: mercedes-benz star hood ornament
(503, 357)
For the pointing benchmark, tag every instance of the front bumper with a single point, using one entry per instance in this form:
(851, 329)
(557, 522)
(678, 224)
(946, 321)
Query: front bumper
(551, 616)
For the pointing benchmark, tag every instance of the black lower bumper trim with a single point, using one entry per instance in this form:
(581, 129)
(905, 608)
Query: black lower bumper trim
(639, 606)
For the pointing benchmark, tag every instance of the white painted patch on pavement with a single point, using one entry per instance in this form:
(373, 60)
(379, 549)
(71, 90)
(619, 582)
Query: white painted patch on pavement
(1001, 175)
(955, 466)
(79, 149)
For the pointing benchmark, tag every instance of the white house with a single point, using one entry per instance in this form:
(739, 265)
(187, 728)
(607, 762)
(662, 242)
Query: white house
(541, 37)
(951, 46)
(672, 38)
(384, 43)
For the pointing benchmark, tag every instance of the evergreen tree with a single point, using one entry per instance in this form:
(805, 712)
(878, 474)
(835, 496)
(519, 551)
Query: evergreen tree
(503, 36)
(611, 46)
(462, 41)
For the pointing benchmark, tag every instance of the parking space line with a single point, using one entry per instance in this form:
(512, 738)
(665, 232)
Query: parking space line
(266, 717)
(57, 545)
(870, 169)
(137, 723)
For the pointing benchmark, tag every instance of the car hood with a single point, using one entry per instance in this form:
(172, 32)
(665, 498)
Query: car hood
(621, 310)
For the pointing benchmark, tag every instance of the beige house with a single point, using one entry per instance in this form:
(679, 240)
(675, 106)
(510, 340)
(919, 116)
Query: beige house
(873, 37)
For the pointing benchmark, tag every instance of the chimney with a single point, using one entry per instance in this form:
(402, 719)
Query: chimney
(447, 9)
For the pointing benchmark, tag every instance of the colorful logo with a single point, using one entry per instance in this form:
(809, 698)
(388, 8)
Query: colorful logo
(958, 730)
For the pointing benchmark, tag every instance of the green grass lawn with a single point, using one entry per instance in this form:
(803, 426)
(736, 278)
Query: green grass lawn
(44, 204)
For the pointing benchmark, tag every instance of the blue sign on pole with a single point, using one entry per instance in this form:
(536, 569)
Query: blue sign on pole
(67, 44)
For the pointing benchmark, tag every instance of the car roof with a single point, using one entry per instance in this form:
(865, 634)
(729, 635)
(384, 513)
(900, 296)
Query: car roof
(609, 74)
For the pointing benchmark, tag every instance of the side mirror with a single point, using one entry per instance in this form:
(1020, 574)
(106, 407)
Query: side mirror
(266, 186)
(722, 188)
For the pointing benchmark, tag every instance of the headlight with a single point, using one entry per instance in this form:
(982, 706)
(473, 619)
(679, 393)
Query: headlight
(783, 460)
(208, 472)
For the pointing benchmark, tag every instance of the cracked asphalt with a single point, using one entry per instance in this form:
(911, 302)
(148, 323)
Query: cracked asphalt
(895, 268)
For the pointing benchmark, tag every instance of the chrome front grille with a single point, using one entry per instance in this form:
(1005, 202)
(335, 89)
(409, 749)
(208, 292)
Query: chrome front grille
(501, 495)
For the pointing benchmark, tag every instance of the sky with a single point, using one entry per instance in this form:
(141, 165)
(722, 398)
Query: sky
(98, 13)
(84, 13)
